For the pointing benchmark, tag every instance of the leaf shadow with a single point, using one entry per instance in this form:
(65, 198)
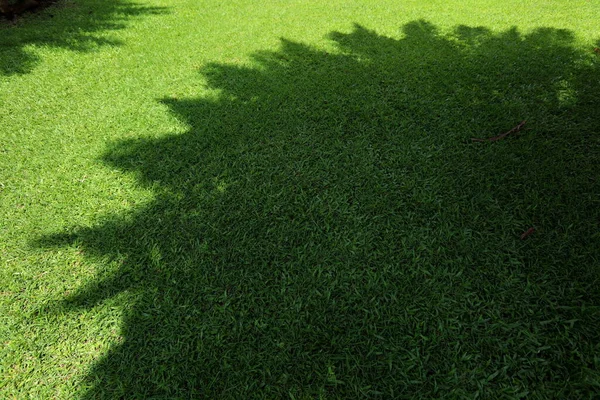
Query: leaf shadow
(67, 25)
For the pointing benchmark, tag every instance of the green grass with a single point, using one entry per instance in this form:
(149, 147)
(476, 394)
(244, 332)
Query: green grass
(209, 199)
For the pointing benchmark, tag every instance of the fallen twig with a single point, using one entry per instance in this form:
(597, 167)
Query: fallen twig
(505, 134)
(527, 233)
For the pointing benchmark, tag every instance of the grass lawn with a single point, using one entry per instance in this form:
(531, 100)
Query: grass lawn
(281, 199)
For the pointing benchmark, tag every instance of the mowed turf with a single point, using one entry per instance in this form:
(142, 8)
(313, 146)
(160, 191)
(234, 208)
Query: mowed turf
(282, 199)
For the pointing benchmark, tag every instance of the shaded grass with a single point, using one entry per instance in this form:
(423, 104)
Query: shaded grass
(318, 224)
(326, 228)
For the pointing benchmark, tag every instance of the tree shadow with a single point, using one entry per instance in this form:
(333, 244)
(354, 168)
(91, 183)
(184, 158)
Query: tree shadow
(68, 25)
(327, 228)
